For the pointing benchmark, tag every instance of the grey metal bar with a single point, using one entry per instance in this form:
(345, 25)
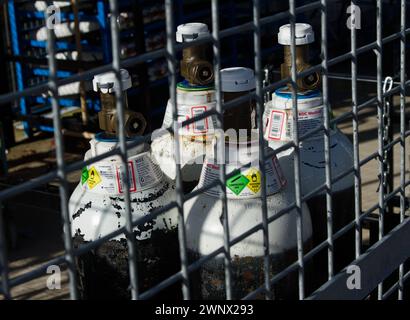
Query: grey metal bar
(298, 194)
(375, 264)
(38, 272)
(131, 241)
(379, 54)
(61, 172)
(356, 154)
(403, 6)
(25, 186)
(327, 111)
(362, 78)
(4, 263)
(172, 79)
(307, 257)
(221, 146)
(396, 286)
(262, 143)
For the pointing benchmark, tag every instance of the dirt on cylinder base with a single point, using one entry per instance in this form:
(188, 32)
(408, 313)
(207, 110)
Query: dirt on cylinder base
(103, 273)
(208, 282)
(344, 246)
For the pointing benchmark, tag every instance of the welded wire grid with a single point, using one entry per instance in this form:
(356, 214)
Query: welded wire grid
(170, 53)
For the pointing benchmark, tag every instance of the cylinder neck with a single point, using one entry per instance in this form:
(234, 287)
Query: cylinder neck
(239, 117)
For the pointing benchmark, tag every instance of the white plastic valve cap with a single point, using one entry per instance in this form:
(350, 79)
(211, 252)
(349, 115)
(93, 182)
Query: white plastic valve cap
(190, 31)
(107, 82)
(303, 32)
(237, 79)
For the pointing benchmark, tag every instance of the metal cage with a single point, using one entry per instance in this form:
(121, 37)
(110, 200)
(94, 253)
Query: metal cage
(389, 250)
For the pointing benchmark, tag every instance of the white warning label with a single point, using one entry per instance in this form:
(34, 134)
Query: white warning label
(186, 112)
(279, 123)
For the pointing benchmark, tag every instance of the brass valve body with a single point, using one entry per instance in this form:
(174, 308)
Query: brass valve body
(311, 81)
(195, 65)
(134, 122)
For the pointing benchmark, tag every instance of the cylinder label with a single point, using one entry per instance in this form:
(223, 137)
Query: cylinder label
(247, 183)
(279, 123)
(106, 177)
(186, 112)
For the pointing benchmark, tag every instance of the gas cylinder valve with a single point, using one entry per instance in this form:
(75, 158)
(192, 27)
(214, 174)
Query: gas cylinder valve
(108, 86)
(304, 36)
(195, 64)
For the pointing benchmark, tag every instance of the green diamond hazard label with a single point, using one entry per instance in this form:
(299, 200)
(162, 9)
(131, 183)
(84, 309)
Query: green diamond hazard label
(237, 183)
(84, 175)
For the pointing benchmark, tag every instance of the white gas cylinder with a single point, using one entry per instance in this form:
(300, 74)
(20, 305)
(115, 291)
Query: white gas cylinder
(278, 130)
(97, 205)
(192, 101)
(244, 209)
(97, 208)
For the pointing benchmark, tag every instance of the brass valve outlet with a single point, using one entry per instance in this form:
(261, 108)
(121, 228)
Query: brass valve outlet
(195, 65)
(135, 123)
(311, 81)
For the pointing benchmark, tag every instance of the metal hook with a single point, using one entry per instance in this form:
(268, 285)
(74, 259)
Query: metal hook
(388, 84)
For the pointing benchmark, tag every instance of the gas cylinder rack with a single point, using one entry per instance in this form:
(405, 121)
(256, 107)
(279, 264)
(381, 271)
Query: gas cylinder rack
(386, 256)
(27, 33)
(28, 42)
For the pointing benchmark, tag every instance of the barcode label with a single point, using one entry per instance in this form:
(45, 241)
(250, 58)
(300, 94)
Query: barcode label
(131, 175)
(276, 124)
(199, 126)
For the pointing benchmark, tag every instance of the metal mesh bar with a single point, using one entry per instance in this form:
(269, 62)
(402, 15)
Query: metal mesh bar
(327, 112)
(356, 153)
(397, 286)
(131, 241)
(4, 264)
(403, 6)
(379, 54)
(402, 132)
(221, 145)
(296, 149)
(172, 78)
(61, 170)
(259, 117)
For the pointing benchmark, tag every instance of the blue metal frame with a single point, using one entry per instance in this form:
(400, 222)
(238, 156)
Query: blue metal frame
(22, 74)
(18, 68)
(102, 10)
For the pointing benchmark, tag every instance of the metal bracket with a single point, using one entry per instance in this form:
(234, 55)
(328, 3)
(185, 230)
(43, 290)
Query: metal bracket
(375, 265)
